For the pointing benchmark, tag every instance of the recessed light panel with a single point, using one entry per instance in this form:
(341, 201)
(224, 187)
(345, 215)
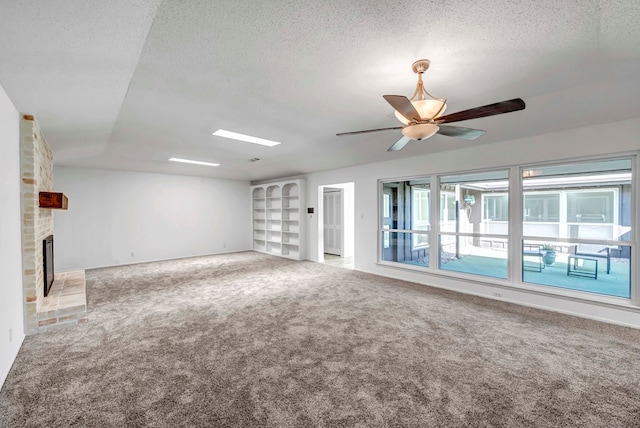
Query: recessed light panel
(243, 137)
(194, 162)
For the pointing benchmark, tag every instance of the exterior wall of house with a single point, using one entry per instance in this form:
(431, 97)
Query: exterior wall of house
(37, 223)
(121, 217)
(11, 307)
(577, 143)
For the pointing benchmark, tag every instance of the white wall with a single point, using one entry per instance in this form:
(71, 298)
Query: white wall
(11, 319)
(349, 219)
(113, 214)
(595, 140)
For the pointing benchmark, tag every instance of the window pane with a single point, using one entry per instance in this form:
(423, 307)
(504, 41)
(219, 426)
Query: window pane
(475, 203)
(406, 204)
(478, 204)
(448, 210)
(591, 268)
(541, 207)
(402, 250)
(420, 208)
(588, 200)
(496, 208)
(590, 207)
(406, 208)
(386, 205)
(478, 256)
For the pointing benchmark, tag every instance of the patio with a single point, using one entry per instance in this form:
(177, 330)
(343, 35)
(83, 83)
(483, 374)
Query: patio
(616, 283)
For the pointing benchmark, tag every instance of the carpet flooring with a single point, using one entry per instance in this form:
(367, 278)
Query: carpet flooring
(247, 339)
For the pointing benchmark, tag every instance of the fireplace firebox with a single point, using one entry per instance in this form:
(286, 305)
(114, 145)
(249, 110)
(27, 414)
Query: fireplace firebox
(47, 257)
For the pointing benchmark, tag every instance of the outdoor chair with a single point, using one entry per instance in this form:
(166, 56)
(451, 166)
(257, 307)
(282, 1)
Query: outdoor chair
(594, 250)
(532, 257)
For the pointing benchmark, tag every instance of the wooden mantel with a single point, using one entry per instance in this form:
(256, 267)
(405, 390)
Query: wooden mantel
(53, 200)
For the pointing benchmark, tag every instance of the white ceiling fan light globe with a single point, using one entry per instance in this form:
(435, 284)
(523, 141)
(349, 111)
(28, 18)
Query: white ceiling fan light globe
(427, 109)
(420, 131)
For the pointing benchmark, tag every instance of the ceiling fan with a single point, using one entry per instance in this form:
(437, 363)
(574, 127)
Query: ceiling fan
(422, 114)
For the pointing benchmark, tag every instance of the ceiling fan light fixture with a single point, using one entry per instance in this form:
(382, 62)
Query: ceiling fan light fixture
(422, 114)
(420, 131)
(427, 109)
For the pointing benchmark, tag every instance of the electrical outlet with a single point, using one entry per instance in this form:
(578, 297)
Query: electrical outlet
(224, 245)
(133, 254)
(10, 334)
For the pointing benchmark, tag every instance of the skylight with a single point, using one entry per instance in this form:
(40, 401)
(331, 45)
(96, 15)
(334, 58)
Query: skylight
(246, 138)
(194, 162)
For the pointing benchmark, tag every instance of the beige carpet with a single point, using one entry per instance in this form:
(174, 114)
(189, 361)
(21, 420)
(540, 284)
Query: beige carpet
(247, 339)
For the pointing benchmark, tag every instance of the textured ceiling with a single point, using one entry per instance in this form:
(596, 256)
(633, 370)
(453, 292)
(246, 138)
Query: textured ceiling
(126, 85)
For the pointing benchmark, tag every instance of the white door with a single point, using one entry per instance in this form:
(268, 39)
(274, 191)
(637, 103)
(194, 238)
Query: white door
(333, 202)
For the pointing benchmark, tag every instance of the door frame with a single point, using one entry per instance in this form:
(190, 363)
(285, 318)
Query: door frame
(341, 216)
(348, 206)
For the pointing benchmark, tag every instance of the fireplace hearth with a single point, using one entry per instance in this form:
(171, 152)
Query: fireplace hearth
(47, 258)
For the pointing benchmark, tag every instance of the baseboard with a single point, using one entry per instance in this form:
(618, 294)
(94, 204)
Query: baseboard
(13, 350)
(582, 308)
(139, 262)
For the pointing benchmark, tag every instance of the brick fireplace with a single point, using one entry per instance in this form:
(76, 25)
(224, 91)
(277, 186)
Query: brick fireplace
(36, 169)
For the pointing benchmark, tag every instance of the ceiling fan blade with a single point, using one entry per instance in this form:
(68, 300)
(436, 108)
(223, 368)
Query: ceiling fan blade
(483, 111)
(403, 106)
(368, 130)
(399, 144)
(460, 132)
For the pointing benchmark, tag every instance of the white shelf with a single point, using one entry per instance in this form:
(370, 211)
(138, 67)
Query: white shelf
(277, 218)
(274, 215)
(273, 191)
(290, 215)
(290, 240)
(291, 189)
(258, 193)
(291, 228)
(273, 247)
(274, 204)
(291, 251)
(274, 236)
